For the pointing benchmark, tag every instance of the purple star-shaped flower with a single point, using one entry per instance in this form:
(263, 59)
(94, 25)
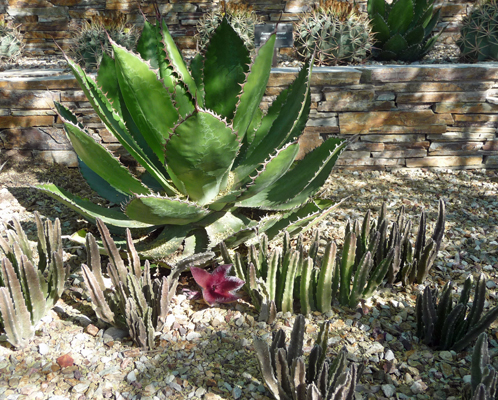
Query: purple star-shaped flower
(217, 287)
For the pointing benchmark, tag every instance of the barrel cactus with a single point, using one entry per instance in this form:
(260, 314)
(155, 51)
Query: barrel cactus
(91, 39)
(241, 17)
(403, 29)
(210, 156)
(337, 31)
(478, 39)
(11, 42)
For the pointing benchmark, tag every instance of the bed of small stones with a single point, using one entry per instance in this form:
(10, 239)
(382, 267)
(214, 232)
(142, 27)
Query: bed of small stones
(206, 353)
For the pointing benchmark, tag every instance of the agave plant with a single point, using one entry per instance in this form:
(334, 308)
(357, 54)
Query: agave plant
(445, 325)
(29, 285)
(209, 154)
(403, 28)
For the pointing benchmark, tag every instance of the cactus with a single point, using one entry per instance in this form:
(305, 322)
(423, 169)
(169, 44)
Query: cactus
(478, 39)
(445, 325)
(11, 42)
(241, 18)
(286, 376)
(337, 32)
(484, 377)
(29, 289)
(196, 185)
(292, 274)
(91, 39)
(410, 264)
(134, 301)
(403, 28)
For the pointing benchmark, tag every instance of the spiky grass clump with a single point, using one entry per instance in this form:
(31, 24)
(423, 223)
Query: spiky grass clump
(11, 42)
(338, 32)
(91, 39)
(241, 17)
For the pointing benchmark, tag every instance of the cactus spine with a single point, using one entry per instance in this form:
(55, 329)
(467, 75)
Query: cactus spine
(478, 39)
(337, 31)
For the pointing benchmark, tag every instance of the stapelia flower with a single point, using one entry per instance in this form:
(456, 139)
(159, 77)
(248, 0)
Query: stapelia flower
(217, 287)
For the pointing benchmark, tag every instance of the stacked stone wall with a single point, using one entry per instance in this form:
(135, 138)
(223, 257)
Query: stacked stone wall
(402, 116)
(44, 22)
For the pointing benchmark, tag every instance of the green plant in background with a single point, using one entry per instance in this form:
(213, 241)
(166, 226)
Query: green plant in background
(91, 39)
(403, 28)
(287, 377)
(11, 41)
(478, 39)
(212, 160)
(241, 18)
(134, 301)
(484, 378)
(30, 283)
(337, 32)
(446, 326)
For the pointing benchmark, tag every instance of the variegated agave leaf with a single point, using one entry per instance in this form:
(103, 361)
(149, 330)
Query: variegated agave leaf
(206, 148)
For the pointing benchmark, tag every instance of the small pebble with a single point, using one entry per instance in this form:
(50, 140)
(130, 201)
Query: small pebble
(43, 349)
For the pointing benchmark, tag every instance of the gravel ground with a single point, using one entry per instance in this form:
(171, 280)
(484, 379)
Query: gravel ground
(206, 353)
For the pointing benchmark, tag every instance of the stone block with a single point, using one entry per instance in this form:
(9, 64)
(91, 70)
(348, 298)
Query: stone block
(454, 148)
(362, 146)
(392, 122)
(400, 153)
(410, 138)
(44, 13)
(73, 95)
(297, 6)
(308, 142)
(428, 73)
(64, 157)
(39, 83)
(407, 146)
(35, 139)
(491, 161)
(450, 9)
(436, 97)
(422, 87)
(28, 98)
(347, 100)
(322, 129)
(444, 161)
(324, 76)
(476, 118)
(355, 154)
(10, 122)
(332, 121)
(460, 136)
(466, 108)
(52, 35)
(374, 162)
(490, 145)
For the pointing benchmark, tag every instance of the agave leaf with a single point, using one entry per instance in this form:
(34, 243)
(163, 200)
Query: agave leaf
(102, 162)
(107, 79)
(283, 127)
(396, 44)
(376, 7)
(196, 67)
(152, 109)
(90, 210)
(176, 60)
(115, 124)
(163, 210)
(254, 88)
(222, 225)
(415, 36)
(100, 185)
(225, 65)
(300, 182)
(201, 149)
(401, 16)
(273, 170)
(380, 27)
(148, 46)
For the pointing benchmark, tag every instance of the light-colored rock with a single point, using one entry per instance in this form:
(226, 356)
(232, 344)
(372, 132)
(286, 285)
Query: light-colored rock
(444, 161)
